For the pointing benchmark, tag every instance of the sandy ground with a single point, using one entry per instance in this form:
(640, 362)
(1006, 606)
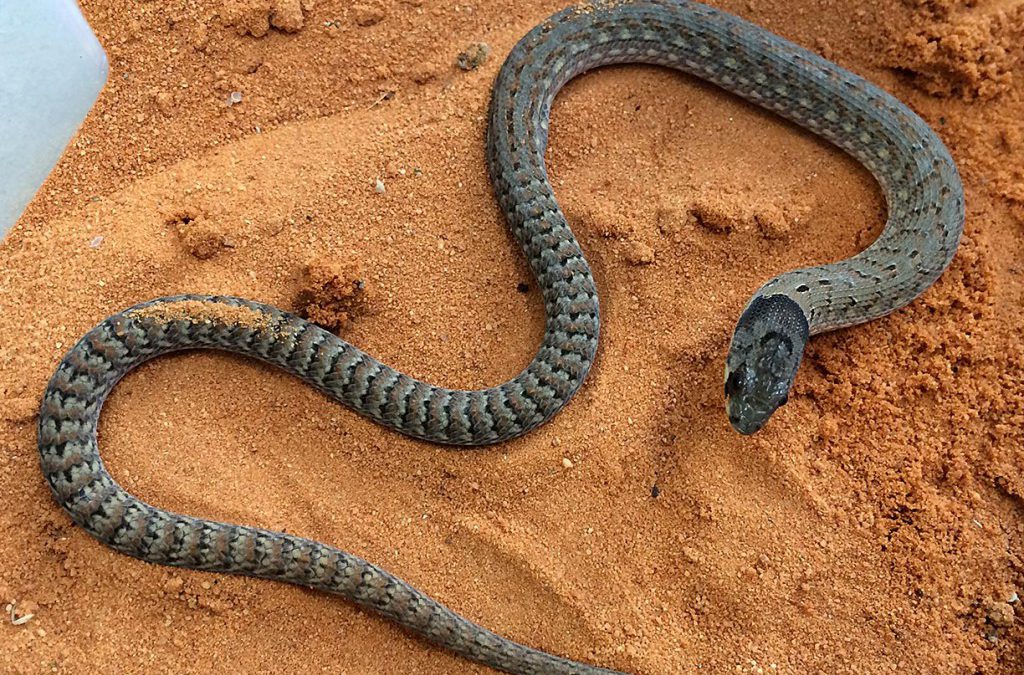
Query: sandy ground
(875, 526)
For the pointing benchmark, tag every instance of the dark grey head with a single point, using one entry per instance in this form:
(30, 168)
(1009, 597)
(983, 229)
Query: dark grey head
(765, 354)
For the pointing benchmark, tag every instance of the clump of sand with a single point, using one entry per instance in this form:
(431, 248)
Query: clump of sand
(334, 291)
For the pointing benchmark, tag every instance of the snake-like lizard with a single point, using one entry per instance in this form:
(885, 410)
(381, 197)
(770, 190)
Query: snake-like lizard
(923, 193)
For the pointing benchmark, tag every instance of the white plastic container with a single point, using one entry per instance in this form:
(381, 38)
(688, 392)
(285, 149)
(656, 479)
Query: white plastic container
(52, 68)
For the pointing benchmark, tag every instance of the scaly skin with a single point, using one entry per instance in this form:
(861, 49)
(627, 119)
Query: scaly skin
(917, 175)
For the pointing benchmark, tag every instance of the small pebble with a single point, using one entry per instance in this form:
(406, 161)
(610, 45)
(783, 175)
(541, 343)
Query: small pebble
(379, 186)
(639, 253)
(288, 15)
(164, 102)
(566, 462)
(96, 241)
(473, 56)
(1000, 614)
(366, 15)
(235, 98)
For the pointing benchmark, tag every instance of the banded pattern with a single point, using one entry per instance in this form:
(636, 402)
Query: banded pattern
(915, 170)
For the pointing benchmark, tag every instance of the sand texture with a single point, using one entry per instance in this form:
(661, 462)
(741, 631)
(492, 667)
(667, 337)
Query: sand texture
(328, 158)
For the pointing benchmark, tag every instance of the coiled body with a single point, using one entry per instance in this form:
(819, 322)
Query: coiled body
(925, 217)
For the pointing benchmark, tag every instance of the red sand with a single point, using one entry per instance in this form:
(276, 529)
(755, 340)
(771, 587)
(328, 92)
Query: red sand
(874, 526)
